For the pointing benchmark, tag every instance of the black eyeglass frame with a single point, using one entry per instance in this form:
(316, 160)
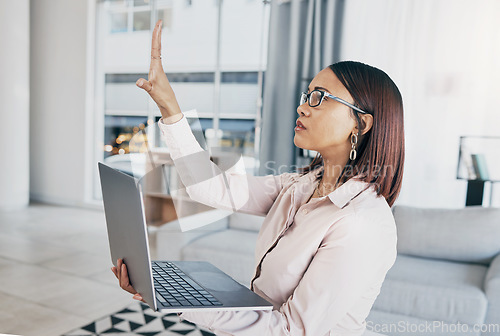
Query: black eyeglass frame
(304, 97)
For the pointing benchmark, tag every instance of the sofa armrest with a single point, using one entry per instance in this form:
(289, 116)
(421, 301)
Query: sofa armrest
(492, 290)
(168, 240)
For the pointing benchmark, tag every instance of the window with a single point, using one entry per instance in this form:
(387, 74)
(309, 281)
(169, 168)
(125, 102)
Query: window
(213, 55)
(127, 16)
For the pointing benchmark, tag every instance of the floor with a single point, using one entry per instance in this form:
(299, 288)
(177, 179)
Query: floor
(55, 270)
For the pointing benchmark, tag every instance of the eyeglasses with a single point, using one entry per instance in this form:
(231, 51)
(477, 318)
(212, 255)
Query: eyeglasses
(315, 98)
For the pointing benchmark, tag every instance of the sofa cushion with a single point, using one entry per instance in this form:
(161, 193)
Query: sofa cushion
(231, 250)
(241, 221)
(437, 272)
(468, 235)
(434, 290)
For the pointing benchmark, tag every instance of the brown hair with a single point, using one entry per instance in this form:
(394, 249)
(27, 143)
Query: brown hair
(380, 155)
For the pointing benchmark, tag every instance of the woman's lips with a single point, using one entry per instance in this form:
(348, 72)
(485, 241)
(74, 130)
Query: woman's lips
(299, 127)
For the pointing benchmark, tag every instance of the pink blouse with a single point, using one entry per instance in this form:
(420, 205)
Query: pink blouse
(321, 263)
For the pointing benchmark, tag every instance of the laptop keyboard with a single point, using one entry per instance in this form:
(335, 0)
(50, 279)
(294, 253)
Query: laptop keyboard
(176, 289)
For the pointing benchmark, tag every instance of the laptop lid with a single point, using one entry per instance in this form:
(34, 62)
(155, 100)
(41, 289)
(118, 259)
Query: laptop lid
(124, 209)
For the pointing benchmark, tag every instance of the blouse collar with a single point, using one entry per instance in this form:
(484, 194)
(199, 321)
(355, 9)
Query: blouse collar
(346, 192)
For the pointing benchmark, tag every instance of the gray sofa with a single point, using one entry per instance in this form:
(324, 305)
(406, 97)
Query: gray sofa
(445, 281)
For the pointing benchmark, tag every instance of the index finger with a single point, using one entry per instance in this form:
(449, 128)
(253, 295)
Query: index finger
(156, 44)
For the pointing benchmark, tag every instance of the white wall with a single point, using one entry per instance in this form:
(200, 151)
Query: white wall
(14, 104)
(58, 98)
(443, 55)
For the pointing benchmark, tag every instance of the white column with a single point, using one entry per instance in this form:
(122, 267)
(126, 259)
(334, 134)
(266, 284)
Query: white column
(14, 104)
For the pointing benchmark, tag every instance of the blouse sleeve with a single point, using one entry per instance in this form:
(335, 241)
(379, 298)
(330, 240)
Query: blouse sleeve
(206, 183)
(351, 258)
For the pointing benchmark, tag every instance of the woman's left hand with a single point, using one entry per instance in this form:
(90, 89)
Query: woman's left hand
(121, 273)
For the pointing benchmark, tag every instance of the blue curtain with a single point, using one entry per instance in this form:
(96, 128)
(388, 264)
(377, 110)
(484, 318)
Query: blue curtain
(304, 38)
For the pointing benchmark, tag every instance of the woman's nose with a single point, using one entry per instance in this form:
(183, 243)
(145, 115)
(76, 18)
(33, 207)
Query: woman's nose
(303, 110)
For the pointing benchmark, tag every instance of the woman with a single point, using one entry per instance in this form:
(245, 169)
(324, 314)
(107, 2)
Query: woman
(329, 236)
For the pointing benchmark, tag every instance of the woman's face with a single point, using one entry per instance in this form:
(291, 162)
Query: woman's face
(328, 127)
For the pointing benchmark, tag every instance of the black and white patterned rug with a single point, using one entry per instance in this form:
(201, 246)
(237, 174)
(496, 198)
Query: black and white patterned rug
(139, 319)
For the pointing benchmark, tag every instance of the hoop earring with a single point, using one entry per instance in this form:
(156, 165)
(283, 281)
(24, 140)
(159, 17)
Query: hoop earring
(354, 141)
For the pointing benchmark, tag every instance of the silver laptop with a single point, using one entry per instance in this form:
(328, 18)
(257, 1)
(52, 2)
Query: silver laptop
(167, 286)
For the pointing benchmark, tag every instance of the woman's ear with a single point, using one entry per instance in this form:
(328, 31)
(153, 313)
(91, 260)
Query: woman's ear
(367, 120)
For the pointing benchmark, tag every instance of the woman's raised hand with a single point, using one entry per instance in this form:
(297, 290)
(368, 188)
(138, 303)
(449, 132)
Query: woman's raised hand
(157, 84)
